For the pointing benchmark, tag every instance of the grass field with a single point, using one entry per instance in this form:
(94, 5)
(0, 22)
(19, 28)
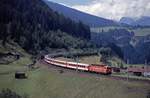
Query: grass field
(94, 59)
(137, 31)
(142, 32)
(50, 83)
(86, 59)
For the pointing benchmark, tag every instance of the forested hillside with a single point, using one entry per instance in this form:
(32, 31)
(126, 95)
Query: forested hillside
(134, 48)
(76, 15)
(34, 26)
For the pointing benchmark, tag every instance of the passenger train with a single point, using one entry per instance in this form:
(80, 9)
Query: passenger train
(97, 68)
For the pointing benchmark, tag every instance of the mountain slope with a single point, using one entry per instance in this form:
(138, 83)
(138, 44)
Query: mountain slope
(80, 16)
(127, 20)
(31, 23)
(142, 21)
(135, 48)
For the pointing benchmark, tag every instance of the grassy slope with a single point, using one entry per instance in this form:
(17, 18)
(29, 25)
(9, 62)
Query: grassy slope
(86, 59)
(94, 59)
(45, 83)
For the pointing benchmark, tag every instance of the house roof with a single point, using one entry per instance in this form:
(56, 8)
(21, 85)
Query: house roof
(139, 69)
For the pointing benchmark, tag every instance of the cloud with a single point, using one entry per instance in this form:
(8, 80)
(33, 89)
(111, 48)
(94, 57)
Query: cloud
(115, 9)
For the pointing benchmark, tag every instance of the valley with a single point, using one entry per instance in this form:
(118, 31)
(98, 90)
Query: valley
(35, 35)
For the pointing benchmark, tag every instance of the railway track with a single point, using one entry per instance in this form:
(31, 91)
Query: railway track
(84, 73)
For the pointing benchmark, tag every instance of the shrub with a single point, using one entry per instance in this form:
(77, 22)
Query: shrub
(148, 95)
(7, 93)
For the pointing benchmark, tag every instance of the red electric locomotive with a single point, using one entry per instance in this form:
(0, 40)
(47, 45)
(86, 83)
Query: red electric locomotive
(103, 69)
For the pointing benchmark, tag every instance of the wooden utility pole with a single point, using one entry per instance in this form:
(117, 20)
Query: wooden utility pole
(127, 70)
(145, 67)
(99, 56)
(145, 62)
(77, 60)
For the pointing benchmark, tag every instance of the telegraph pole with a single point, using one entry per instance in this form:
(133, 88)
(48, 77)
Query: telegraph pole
(127, 70)
(66, 58)
(76, 60)
(145, 67)
(145, 62)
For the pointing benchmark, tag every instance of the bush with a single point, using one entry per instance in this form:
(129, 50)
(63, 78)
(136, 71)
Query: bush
(7, 93)
(148, 95)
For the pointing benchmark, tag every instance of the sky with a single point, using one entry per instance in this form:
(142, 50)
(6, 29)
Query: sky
(110, 9)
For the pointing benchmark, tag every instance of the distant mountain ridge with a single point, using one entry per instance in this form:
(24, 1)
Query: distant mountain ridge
(127, 20)
(76, 15)
(142, 21)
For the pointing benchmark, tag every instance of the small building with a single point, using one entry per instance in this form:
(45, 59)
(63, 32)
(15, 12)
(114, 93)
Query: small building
(139, 70)
(115, 69)
(20, 75)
